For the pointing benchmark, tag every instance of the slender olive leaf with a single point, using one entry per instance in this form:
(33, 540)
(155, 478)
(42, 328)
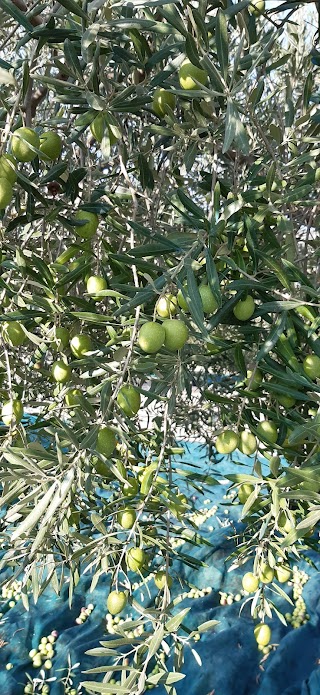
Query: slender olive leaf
(277, 269)
(111, 669)
(141, 45)
(270, 177)
(174, 623)
(105, 689)
(165, 677)
(162, 54)
(278, 63)
(22, 461)
(230, 129)
(249, 503)
(123, 642)
(33, 517)
(173, 18)
(16, 14)
(146, 175)
(139, 263)
(143, 3)
(221, 35)
(54, 173)
(214, 75)
(213, 277)
(190, 205)
(72, 59)
(256, 95)
(30, 188)
(74, 8)
(208, 625)
(192, 51)
(190, 156)
(278, 590)
(194, 299)
(272, 338)
(278, 306)
(7, 66)
(59, 497)
(201, 25)
(243, 478)
(239, 360)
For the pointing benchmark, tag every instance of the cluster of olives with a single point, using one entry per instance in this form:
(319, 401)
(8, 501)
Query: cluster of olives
(84, 614)
(299, 615)
(173, 333)
(195, 593)
(265, 575)
(267, 432)
(113, 621)
(228, 599)
(11, 593)
(42, 656)
(44, 688)
(202, 515)
(26, 145)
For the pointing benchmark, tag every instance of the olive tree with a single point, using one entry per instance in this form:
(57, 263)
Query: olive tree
(159, 196)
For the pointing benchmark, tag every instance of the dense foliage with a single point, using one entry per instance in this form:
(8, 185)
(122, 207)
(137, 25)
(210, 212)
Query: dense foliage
(159, 248)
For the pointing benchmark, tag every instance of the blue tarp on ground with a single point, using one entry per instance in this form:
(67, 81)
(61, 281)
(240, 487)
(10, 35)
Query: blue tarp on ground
(230, 659)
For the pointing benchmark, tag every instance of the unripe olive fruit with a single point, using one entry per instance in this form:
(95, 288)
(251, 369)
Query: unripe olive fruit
(163, 101)
(283, 574)
(130, 488)
(161, 579)
(254, 379)
(176, 334)
(266, 573)
(267, 431)
(227, 442)
(87, 230)
(262, 634)
(244, 492)
(286, 401)
(12, 410)
(181, 300)
(14, 333)
(61, 372)
(126, 518)
(80, 345)
(250, 582)
(50, 146)
(311, 366)
(128, 400)
(244, 309)
(135, 559)
(151, 337)
(257, 7)
(8, 168)
(167, 306)
(96, 283)
(188, 73)
(73, 397)
(6, 193)
(116, 602)
(209, 303)
(247, 443)
(22, 143)
(62, 337)
(106, 441)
